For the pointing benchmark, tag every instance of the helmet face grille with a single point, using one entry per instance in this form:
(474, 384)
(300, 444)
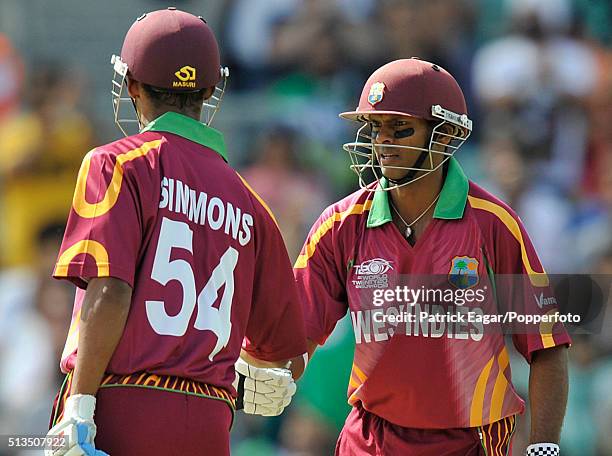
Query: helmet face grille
(362, 153)
(413, 88)
(127, 121)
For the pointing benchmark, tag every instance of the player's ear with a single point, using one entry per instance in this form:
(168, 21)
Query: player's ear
(134, 88)
(447, 131)
(208, 92)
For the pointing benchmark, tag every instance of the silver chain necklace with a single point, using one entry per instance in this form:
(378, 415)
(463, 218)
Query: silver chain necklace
(408, 231)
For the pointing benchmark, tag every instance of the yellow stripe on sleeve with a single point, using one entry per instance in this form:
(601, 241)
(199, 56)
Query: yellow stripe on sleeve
(359, 373)
(499, 389)
(353, 383)
(537, 279)
(352, 400)
(476, 409)
(88, 247)
(88, 210)
(310, 248)
(100, 256)
(546, 329)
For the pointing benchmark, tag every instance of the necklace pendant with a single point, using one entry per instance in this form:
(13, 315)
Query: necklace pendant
(408, 232)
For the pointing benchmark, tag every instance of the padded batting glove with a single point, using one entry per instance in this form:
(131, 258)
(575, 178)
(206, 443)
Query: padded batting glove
(542, 449)
(77, 427)
(263, 391)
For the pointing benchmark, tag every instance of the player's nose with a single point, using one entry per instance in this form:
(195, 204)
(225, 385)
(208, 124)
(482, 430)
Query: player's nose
(384, 136)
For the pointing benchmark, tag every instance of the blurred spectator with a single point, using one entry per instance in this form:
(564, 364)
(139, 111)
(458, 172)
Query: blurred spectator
(548, 71)
(248, 33)
(511, 178)
(35, 312)
(436, 30)
(295, 196)
(42, 149)
(283, 33)
(11, 78)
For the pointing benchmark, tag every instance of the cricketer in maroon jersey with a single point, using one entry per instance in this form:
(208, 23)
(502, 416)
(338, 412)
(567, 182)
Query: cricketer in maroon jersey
(164, 212)
(420, 385)
(179, 265)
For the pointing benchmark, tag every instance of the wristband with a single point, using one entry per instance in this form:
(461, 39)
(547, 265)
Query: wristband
(81, 406)
(542, 449)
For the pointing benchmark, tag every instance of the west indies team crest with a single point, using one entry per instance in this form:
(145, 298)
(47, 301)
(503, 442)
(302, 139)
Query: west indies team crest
(377, 92)
(463, 272)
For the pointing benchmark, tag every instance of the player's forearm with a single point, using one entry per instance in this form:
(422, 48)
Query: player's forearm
(548, 387)
(103, 317)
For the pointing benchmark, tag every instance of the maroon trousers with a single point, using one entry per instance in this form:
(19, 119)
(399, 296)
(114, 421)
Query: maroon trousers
(366, 434)
(133, 420)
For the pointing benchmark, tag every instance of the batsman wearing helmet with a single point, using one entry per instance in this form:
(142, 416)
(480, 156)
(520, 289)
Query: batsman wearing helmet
(179, 268)
(421, 385)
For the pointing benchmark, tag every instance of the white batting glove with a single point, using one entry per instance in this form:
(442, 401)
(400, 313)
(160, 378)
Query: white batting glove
(77, 428)
(263, 391)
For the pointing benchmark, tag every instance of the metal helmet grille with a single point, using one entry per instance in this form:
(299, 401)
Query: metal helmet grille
(124, 110)
(212, 105)
(362, 151)
(124, 120)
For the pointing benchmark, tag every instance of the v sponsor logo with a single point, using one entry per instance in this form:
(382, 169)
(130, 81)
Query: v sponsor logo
(542, 301)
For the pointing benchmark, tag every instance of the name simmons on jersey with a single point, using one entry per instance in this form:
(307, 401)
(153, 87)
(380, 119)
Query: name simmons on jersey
(206, 210)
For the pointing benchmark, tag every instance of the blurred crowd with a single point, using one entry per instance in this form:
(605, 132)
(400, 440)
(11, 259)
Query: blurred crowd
(537, 75)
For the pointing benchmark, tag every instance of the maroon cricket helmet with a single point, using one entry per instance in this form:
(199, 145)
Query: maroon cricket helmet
(409, 87)
(172, 50)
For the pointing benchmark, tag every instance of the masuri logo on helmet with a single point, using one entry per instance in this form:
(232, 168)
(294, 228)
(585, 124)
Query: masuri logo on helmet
(186, 77)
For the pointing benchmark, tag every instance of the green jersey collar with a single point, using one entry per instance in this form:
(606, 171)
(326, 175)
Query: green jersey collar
(450, 205)
(190, 129)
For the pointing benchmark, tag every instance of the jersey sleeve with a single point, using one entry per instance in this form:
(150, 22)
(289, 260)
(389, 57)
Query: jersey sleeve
(275, 330)
(524, 288)
(104, 229)
(318, 274)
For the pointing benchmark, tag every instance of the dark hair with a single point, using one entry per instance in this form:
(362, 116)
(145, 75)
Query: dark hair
(187, 102)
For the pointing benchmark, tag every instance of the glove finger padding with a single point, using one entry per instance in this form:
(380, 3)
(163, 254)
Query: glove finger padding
(265, 391)
(276, 376)
(266, 388)
(282, 397)
(262, 410)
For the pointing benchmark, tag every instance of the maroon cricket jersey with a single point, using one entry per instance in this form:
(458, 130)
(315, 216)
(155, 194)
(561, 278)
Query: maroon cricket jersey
(164, 212)
(421, 373)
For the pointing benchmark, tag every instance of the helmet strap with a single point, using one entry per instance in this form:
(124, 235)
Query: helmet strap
(140, 125)
(412, 173)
